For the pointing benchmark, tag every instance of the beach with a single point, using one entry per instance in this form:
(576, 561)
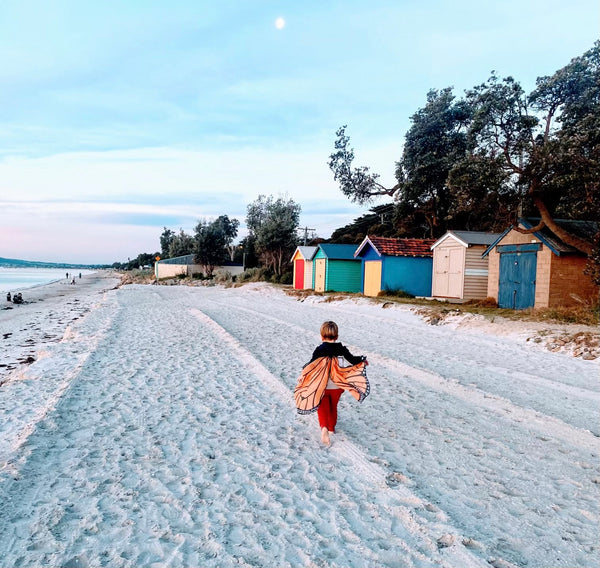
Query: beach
(46, 313)
(149, 425)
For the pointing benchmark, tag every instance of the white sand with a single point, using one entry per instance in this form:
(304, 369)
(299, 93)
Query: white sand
(161, 431)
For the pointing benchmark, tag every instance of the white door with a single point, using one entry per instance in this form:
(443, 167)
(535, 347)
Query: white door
(441, 262)
(456, 263)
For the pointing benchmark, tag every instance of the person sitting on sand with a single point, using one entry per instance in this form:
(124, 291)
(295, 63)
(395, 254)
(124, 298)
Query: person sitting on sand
(18, 298)
(8, 297)
(325, 377)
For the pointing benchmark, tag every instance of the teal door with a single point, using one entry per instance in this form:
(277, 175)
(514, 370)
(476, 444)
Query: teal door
(517, 279)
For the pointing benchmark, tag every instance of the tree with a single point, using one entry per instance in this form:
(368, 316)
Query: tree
(249, 253)
(481, 162)
(436, 141)
(544, 147)
(212, 239)
(359, 184)
(379, 222)
(166, 239)
(181, 245)
(273, 224)
(434, 144)
(145, 259)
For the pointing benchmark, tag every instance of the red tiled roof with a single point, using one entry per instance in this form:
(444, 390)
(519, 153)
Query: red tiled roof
(402, 247)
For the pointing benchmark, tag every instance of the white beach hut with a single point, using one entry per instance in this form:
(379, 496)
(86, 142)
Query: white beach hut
(459, 271)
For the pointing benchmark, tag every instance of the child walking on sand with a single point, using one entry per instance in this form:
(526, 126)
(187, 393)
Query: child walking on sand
(325, 377)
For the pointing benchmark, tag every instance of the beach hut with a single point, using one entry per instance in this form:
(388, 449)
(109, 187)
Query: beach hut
(336, 269)
(395, 264)
(538, 269)
(459, 269)
(302, 261)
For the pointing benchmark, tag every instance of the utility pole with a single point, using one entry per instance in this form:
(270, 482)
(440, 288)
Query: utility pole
(305, 229)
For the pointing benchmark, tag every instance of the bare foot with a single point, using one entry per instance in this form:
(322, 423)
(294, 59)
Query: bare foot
(325, 436)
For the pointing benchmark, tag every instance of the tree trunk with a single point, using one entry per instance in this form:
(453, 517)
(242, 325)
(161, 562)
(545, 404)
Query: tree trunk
(566, 237)
(548, 221)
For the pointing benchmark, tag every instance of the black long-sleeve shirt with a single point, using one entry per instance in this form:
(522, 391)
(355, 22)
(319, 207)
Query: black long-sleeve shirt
(327, 349)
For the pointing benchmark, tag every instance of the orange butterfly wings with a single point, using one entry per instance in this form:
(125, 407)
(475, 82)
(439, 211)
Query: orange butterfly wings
(314, 377)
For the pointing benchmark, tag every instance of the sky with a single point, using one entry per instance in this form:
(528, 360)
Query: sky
(120, 118)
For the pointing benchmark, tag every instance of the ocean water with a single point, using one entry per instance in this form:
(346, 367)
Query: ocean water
(19, 279)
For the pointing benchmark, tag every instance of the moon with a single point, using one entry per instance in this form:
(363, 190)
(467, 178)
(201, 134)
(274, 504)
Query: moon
(280, 23)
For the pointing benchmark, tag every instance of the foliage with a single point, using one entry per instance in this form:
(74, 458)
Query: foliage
(249, 254)
(181, 245)
(544, 145)
(436, 141)
(481, 162)
(223, 276)
(286, 277)
(166, 238)
(252, 275)
(211, 241)
(379, 222)
(359, 184)
(142, 260)
(273, 224)
(394, 294)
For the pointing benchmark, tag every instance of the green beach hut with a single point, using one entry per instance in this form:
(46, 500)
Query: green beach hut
(336, 270)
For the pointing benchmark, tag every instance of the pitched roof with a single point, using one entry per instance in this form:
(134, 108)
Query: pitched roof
(472, 238)
(398, 247)
(583, 229)
(306, 252)
(338, 252)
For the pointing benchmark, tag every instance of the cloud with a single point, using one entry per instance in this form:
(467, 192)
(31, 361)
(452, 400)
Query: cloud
(61, 201)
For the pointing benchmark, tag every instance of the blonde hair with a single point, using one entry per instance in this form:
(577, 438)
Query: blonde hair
(329, 330)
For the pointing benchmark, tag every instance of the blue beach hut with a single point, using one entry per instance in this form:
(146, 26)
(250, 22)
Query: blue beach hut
(396, 264)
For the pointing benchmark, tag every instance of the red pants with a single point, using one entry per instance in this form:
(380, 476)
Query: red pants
(327, 411)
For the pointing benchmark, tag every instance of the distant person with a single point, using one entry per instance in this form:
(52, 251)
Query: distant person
(73, 280)
(80, 276)
(18, 298)
(67, 275)
(8, 297)
(326, 376)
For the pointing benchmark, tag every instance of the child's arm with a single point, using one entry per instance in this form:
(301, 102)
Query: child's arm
(353, 359)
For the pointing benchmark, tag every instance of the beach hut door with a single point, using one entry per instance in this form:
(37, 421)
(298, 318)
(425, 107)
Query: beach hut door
(448, 272)
(517, 280)
(372, 277)
(319, 267)
(299, 274)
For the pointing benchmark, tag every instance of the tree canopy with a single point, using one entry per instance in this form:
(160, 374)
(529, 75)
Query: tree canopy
(181, 244)
(211, 241)
(166, 238)
(482, 161)
(273, 225)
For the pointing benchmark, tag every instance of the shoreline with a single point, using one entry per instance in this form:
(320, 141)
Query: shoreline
(44, 317)
(23, 286)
